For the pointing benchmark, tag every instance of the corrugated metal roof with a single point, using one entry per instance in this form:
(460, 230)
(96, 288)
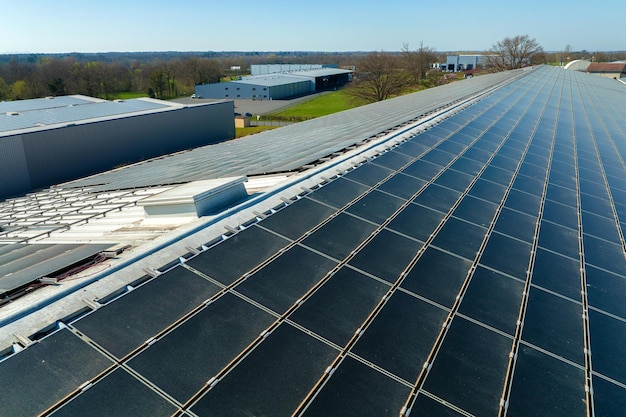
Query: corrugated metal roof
(321, 72)
(271, 80)
(290, 147)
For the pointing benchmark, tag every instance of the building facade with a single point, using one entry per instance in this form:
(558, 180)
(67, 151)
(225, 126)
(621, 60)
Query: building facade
(274, 85)
(52, 145)
(456, 63)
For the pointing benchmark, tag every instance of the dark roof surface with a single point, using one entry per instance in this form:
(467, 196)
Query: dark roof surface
(476, 269)
(607, 67)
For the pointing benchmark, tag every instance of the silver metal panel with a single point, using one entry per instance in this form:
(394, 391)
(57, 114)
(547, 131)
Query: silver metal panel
(321, 72)
(23, 264)
(51, 156)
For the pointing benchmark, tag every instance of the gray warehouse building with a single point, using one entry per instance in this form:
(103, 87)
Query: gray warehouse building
(264, 69)
(51, 140)
(456, 63)
(276, 85)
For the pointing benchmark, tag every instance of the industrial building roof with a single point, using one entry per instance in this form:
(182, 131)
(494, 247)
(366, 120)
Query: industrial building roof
(617, 67)
(275, 79)
(270, 80)
(47, 112)
(577, 65)
(472, 265)
(45, 103)
(323, 72)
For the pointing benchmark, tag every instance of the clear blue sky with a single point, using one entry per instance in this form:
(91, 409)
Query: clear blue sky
(49, 26)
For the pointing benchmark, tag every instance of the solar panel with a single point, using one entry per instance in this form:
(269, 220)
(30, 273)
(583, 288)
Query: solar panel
(470, 375)
(355, 386)
(281, 283)
(195, 351)
(553, 323)
(52, 373)
(493, 298)
(151, 308)
(120, 393)
(341, 305)
(274, 377)
(545, 384)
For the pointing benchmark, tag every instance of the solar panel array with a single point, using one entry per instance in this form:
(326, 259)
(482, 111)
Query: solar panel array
(68, 109)
(475, 269)
(291, 147)
(44, 103)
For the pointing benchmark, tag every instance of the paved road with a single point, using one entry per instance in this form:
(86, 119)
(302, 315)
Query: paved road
(253, 106)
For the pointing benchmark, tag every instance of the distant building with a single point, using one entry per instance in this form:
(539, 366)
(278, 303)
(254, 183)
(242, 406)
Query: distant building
(52, 140)
(284, 68)
(578, 65)
(276, 85)
(608, 69)
(260, 87)
(456, 63)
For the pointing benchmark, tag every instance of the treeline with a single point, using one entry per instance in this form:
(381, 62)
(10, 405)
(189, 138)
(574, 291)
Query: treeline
(171, 74)
(49, 76)
(158, 74)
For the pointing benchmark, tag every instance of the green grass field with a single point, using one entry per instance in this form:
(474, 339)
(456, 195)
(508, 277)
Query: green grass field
(126, 95)
(322, 105)
(245, 131)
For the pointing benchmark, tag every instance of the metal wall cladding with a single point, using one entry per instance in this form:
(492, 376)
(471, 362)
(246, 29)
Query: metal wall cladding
(14, 176)
(261, 91)
(47, 157)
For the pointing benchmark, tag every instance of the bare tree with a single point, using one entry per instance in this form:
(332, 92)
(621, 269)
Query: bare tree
(411, 61)
(567, 52)
(418, 62)
(202, 70)
(516, 52)
(380, 76)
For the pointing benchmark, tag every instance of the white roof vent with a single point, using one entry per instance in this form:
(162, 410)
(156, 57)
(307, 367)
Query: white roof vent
(198, 198)
(13, 113)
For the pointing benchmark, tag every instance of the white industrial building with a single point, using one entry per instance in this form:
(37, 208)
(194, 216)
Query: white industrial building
(51, 140)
